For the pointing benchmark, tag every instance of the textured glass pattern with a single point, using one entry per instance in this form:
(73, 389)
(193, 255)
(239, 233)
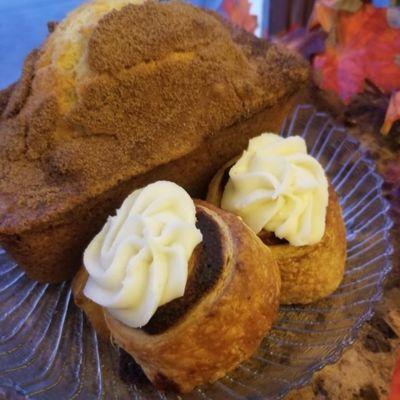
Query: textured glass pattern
(48, 350)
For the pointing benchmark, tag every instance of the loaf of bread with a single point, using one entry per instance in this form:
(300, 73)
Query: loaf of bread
(122, 94)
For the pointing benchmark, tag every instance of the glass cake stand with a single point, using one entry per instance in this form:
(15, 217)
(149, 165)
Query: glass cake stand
(48, 349)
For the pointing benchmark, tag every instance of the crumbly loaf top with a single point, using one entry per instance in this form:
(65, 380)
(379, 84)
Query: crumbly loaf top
(112, 94)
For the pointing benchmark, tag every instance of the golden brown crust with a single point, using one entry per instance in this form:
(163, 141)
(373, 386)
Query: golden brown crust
(224, 328)
(308, 273)
(92, 310)
(217, 185)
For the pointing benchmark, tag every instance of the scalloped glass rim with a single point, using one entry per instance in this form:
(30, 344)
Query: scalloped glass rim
(48, 349)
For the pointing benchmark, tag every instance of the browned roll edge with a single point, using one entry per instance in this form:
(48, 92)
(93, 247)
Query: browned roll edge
(93, 311)
(222, 329)
(308, 273)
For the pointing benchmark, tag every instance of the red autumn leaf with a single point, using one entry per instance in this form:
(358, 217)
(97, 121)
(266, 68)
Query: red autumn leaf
(392, 113)
(351, 26)
(341, 72)
(361, 46)
(383, 66)
(238, 12)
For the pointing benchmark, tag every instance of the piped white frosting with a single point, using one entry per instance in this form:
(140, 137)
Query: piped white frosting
(139, 260)
(277, 186)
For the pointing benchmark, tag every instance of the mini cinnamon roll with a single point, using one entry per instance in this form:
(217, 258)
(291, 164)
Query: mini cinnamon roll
(283, 195)
(218, 300)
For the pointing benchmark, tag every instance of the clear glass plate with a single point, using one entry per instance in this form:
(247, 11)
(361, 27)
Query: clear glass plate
(48, 349)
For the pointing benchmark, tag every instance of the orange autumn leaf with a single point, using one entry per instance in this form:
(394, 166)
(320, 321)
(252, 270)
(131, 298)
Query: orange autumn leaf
(361, 46)
(392, 113)
(238, 12)
(322, 16)
(325, 12)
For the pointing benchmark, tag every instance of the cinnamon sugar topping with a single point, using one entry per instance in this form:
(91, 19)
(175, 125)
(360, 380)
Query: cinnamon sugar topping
(145, 85)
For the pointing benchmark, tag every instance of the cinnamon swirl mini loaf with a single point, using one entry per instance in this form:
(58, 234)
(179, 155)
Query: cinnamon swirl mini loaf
(120, 95)
(210, 310)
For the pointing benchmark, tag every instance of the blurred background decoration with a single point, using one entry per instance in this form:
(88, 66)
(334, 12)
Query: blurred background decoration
(353, 45)
(23, 22)
(354, 49)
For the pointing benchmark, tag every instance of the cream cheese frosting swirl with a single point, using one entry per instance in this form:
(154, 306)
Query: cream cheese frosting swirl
(277, 186)
(139, 260)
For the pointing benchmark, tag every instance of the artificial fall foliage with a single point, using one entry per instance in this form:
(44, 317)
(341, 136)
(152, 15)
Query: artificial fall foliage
(238, 12)
(362, 45)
